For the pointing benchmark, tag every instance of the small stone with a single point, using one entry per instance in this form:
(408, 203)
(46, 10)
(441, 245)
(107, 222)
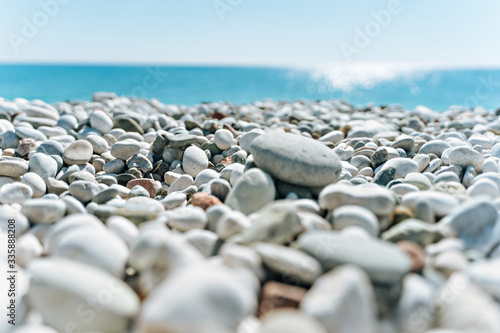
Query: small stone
(276, 295)
(125, 149)
(59, 286)
(79, 152)
(84, 191)
(174, 200)
(99, 144)
(138, 191)
(253, 191)
(348, 215)
(43, 165)
(56, 186)
(204, 200)
(277, 222)
(140, 162)
(296, 159)
(150, 185)
(231, 223)
(403, 166)
(342, 300)
(44, 210)
(25, 146)
(187, 218)
(194, 161)
(416, 254)
(128, 124)
(379, 200)
(224, 139)
(15, 193)
(36, 183)
(293, 265)
(182, 183)
(465, 157)
(13, 167)
(101, 121)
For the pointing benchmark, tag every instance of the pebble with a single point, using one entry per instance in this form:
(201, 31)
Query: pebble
(376, 199)
(253, 191)
(15, 193)
(44, 210)
(125, 149)
(101, 121)
(346, 216)
(83, 190)
(13, 167)
(194, 161)
(79, 152)
(224, 139)
(59, 287)
(296, 159)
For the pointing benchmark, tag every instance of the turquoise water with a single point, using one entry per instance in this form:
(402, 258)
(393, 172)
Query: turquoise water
(437, 89)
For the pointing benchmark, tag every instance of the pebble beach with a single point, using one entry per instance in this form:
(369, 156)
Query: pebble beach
(131, 215)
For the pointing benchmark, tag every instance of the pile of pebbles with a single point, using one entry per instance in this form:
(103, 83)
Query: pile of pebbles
(136, 216)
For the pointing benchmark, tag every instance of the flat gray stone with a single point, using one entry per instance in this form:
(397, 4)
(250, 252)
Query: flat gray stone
(296, 159)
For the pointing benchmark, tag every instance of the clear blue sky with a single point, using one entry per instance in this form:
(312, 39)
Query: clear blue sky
(308, 32)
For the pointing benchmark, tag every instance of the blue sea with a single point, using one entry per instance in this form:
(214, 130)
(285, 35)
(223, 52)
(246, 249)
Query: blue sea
(435, 88)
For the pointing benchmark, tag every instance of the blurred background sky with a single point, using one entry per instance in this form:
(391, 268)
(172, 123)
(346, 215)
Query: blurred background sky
(250, 32)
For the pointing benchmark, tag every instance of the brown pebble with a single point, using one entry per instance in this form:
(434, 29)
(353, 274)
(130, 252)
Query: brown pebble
(416, 253)
(8, 152)
(204, 200)
(150, 185)
(25, 146)
(276, 295)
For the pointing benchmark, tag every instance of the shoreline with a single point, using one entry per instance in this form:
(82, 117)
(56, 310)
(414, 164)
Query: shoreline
(314, 215)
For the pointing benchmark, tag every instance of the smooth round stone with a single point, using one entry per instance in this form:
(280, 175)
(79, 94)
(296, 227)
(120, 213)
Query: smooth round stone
(79, 152)
(333, 137)
(296, 159)
(384, 262)
(435, 147)
(50, 147)
(483, 187)
(292, 264)
(480, 141)
(230, 296)
(342, 300)
(128, 124)
(474, 222)
(446, 176)
(422, 160)
(25, 147)
(83, 190)
(26, 132)
(194, 161)
(464, 157)
(67, 121)
(277, 222)
(442, 203)
(15, 193)
(13, 167)
(115, 166)
(41, 112)
(204, 241)
(375, 198)
(125, 149)
(81, 175)
(224, 139)
(344, 152)
(171, 154)
(347, 216)
(101, 121)
(205, 176)
(247, 139)
(59, 287)
(44, 210)
(403, 166)
(418, 179)
(402, 189)
(73, 206)
(407, 144)
(360, 162)
(138, 191)
(174, 200)
(99, 144)
(182, 183)
(231, 223)
(140, 162)
(124, 228)
(43, 165)
(490, 165)
(97, 247)
(253, 191)
(187, 218)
